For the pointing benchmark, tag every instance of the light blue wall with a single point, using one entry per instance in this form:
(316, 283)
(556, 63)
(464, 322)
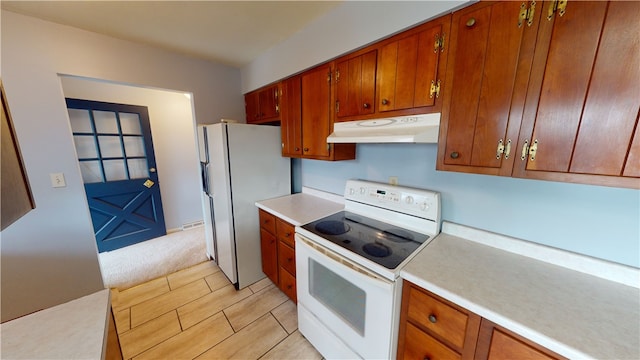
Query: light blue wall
(597, 221)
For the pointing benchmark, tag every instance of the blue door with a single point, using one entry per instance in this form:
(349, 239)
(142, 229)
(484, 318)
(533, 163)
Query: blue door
(115, 152)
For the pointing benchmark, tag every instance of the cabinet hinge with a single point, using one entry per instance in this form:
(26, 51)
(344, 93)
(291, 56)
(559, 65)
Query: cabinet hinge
(337, 106)
(435, 89)
(559, 6)
(337, 75)
(526, 13)
(329, 77)
(439, 43)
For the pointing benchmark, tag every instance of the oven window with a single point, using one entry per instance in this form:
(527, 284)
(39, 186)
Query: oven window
(342, 297)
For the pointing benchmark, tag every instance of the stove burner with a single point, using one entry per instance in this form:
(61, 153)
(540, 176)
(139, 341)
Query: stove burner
(376, 249)
(332, 227)
(399, 235)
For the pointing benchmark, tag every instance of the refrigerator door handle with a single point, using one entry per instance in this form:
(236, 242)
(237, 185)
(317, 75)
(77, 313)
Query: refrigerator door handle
(204, 174)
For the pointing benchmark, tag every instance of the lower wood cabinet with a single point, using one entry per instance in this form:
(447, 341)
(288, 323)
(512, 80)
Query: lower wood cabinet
(278, 252)
(434, 328)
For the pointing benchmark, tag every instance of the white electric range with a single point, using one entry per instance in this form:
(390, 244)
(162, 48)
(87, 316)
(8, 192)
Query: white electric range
(348, 264)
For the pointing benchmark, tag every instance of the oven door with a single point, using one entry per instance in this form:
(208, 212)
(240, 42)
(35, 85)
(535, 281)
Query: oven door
(355, 305)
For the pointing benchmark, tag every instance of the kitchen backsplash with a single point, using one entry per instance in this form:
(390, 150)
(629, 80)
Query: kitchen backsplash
(592, 220)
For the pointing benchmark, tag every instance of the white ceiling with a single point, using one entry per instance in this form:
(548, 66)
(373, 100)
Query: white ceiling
(230, 32)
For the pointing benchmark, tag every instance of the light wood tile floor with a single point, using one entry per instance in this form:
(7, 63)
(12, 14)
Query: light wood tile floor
(197, 314)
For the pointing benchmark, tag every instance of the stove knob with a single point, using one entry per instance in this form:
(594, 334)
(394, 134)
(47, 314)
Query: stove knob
(409, 200)
(424, 207)
(363, 190)
(352, 191)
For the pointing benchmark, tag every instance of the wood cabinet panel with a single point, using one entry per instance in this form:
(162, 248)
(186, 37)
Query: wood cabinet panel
(419, 345)
(408, 64)
(448, 337)
(269, 249)
(482, 81)
(452, 329)
(288, 284)
(286, 232)
(287, 258)
(267, 221)
(496, 343)
(582, 106)
(355, 81)
(291, 117)
(263, 105)
(17, 199)
(632, 167)
(316, 114)
(438, 317)
(278, 254)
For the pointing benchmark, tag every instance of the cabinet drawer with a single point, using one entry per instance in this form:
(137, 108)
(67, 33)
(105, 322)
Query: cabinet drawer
(419, 345)
(288, 284)
(267, 221)
(287, 257)
(438, 317)
(285, 232)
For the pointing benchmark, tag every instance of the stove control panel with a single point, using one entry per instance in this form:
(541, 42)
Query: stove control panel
(412, 201)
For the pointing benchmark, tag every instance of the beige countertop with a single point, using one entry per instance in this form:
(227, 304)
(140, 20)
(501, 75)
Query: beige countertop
(586, 308)
(73, 330)
(302, 208)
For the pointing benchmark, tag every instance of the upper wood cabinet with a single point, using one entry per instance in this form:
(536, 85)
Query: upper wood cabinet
(538, 91)
(355, 84)
(486, 84)
(316, 116)
(410, 69)
(581, 115)
(263, 105)
(17, 199)
(291, 117)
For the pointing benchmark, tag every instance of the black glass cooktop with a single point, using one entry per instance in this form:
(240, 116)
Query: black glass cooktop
(385, 244)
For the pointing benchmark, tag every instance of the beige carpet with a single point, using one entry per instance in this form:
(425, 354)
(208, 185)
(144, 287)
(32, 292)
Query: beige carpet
(135, 264)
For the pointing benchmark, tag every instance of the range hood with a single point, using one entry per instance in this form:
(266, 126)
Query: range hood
(403, 129)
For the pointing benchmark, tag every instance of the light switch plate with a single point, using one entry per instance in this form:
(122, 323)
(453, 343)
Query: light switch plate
(57, 180)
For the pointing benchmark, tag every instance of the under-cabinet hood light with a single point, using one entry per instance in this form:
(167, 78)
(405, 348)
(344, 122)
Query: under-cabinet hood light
(421, 128)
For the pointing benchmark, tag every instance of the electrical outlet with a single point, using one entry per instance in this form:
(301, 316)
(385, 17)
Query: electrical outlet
(393, 180)
(57, 180)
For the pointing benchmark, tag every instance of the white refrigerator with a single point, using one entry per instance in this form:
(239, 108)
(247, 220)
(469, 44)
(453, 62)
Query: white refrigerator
(240, 164)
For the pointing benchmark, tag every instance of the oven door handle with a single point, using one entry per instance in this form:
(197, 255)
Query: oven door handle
(339, 259)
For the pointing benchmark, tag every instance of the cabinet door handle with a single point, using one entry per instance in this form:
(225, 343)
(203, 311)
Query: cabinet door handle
(454, 155)
(385, 102)
(306, 149)
(525, 150)
(365, 105)
(433, 319)
(471, 22)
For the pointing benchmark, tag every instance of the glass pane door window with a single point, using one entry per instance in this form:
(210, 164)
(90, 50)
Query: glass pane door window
(109, 144)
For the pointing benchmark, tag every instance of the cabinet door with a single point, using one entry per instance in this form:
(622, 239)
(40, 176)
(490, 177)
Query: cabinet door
(355, 80)
(291, 120)
(497, 343)
(269, 103)
(17, 199)
(269, 248)
(316, 114)
(486, 80)
(584, 97)
(408, 65)
(252, 107)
